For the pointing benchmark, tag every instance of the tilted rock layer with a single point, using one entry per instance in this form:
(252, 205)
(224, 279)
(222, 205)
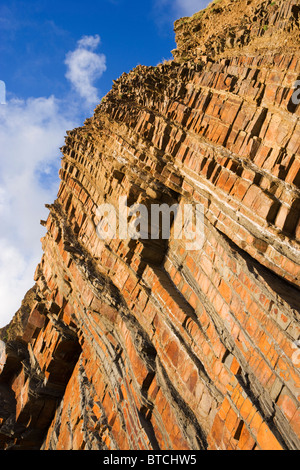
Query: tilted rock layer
(143, 344)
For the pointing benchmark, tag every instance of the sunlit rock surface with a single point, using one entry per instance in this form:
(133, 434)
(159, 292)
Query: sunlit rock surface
(143, 344)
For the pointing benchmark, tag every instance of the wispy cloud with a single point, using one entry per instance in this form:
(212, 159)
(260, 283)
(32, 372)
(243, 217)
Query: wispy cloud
(7, 20)
(167, 11)
(85, 66)
(31, 134)
(189, 7)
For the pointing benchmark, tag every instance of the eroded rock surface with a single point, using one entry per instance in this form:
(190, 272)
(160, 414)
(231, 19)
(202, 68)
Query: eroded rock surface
(142, 344)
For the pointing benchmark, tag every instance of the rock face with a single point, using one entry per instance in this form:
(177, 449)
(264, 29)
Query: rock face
(143, 344)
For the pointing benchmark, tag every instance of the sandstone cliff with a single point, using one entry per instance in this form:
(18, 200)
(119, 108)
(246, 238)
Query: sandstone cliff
(17, 325)
(142, 344)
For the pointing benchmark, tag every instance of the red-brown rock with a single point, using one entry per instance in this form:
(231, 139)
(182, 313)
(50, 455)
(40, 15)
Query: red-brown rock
(143, 344)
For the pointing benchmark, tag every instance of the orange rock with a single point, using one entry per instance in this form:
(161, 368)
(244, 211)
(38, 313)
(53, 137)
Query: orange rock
(145, 344)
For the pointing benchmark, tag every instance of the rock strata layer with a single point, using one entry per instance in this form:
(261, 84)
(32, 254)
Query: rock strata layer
(143, 344)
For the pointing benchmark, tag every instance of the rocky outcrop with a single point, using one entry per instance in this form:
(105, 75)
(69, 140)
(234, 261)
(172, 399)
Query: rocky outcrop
(141, 343)
(17, 326)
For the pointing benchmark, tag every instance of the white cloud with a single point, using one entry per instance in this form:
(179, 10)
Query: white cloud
(85, 66)
(31, 133)
(189, 7)
(16, 278)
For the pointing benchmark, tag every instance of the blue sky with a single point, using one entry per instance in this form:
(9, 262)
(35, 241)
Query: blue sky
(58, 59)
(35, 36)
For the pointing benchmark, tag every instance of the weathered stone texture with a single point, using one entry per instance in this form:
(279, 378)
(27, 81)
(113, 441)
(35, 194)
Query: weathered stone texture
(141, 344)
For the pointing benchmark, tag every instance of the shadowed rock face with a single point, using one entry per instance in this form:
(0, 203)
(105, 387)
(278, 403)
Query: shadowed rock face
(17, 325)
(143, 344)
